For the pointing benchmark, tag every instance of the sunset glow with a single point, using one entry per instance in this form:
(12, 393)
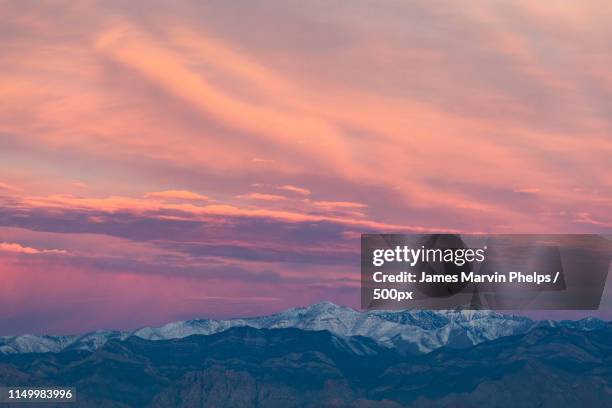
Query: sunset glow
(197, 160)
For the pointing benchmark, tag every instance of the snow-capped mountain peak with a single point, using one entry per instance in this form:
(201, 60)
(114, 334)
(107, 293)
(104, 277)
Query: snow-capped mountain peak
(417, 331)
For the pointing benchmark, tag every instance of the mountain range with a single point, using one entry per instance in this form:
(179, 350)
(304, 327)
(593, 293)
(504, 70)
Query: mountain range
(326, 355)
(245, 367)
(410, 332)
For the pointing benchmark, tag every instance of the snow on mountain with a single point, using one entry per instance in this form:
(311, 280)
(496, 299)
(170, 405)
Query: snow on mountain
(410, 331)
(29, 343)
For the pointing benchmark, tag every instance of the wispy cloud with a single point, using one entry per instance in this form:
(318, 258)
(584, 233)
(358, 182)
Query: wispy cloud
(294, 189)
(338, 205)
(177, 195)
(262, 196)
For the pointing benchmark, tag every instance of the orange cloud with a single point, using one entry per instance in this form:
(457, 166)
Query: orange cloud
(263, 197)
(20, 249)
(177, 195)
(338, 204)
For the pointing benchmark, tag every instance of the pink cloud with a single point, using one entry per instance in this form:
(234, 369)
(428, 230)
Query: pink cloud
(188, 211)
(329, 127)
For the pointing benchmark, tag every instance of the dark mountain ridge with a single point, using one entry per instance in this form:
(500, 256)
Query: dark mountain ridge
(248, 367)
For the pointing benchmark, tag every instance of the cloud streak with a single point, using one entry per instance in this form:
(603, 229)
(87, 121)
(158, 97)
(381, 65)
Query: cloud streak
(294, 189)
(20, 249)
(177, 195)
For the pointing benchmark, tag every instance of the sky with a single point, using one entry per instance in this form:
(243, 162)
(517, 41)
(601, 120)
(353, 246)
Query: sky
(166, 160)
